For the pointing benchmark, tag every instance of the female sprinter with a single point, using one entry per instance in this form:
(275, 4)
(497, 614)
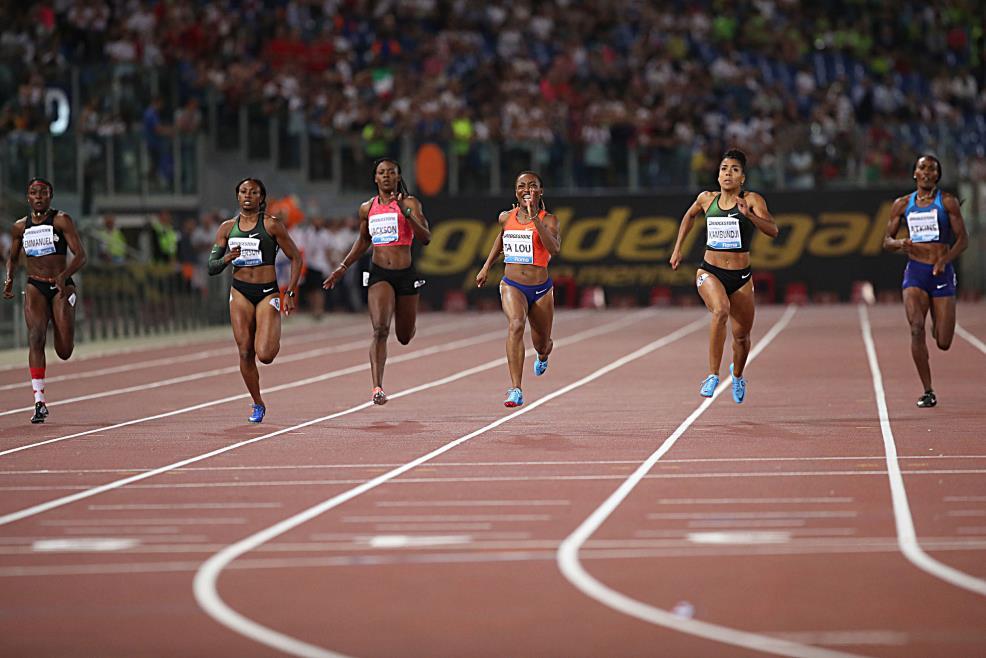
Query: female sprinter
(724, 278)
(45, 235)
(936, 237)
(390, 222)
(253, 238)
(528, 239)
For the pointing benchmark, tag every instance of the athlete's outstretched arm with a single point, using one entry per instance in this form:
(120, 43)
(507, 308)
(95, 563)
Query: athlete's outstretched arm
(548, 232)
(415, 214)
(755, 208)
(890, 241)
(275, 228)
(14, 257)
(218, 258)
(363, 242)
(495, 250)
(958, 229)
(687, 221)
(67, 226)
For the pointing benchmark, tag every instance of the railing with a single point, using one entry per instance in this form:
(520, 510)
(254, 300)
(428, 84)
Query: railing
(139, 299)
(802, 156)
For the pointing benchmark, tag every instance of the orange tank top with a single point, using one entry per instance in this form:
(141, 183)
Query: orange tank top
(521, 243)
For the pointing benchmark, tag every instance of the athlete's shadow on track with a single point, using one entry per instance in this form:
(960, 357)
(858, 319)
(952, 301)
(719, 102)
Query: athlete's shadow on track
(542, 441)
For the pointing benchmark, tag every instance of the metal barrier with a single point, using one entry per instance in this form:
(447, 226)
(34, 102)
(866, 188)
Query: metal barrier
(139, 299)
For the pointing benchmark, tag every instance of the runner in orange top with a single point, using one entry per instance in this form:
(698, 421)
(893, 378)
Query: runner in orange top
(528, 239)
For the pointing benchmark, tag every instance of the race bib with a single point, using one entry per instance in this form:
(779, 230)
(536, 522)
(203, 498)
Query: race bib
(383, 227)
(923, 225)
(723, 233)
(518, 247)
(250, 255)
(39, 240)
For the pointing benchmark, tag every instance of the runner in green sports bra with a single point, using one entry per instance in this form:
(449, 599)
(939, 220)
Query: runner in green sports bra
(253, 238)
(724, 279)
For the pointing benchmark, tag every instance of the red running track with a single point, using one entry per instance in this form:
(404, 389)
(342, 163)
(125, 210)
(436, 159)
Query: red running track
(770, 528)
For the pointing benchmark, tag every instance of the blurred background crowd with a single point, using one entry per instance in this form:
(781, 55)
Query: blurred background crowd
(144, 112)
(835, 90)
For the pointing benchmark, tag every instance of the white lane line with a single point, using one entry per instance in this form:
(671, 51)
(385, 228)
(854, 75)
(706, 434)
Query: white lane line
(965, 499)
(215, 372)
(446, 517)
(471, 503)
(847, 638)
(603, 462)
(179, 358)
(737, 523)
(362, 538)
(753, 501)
(68, 523)
(14, 542)
(467, 372)
(400, 358)
(519, 478)
(571, 567)
(89, 545)
(303, 335)
(175, 506)
(407, 541)
(906, 535)
(804, 514)
(123, 530)
(971, 338)
(205, 584)
(431, 527)
(794, 532)
(365, 559)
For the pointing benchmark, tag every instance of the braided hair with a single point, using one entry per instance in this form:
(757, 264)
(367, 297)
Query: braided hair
(401, 186)
(263, 194)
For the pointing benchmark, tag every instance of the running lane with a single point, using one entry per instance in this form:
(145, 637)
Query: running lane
(179, 518)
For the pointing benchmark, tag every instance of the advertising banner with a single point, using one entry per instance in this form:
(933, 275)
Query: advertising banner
(828, 240)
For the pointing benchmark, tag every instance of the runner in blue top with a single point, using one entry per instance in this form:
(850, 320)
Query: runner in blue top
(253, 238)
(936, 236)
(724, 279)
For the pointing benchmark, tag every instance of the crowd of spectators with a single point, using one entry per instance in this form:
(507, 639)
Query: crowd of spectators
(814, 91)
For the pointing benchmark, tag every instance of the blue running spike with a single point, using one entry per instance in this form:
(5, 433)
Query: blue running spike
(709, 386)
(258, 413)
(739, 387)
(540, 366)
(514, 398)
